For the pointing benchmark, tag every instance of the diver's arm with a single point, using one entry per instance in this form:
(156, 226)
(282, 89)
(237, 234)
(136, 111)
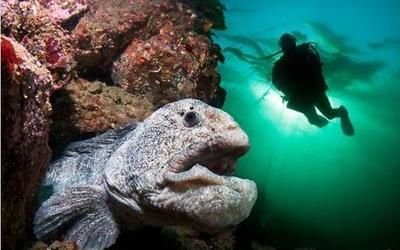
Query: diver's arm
(276, 81)
(280, 82)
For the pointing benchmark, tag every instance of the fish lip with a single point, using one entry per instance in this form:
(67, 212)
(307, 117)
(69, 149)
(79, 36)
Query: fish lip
(207, 166)
(218, 159)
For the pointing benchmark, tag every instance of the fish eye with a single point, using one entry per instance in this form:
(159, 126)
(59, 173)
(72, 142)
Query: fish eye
(191, 119)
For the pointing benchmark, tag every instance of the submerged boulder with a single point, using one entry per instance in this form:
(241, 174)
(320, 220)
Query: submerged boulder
(108, 27)
(65, 12)
(25, 92)
(30, 25)
(161, 48)
(174, 63)
(93, 107)
(151, 52)
(170, 66)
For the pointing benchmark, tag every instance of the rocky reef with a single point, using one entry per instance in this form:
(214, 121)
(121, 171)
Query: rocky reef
(93, 107)
(75, 67)
(51, 45)
(25, 110)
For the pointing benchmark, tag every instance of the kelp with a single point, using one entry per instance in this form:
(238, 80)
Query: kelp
(343, 70)
(340, 41)
(246, 41)
(211, 9)
(388, 43)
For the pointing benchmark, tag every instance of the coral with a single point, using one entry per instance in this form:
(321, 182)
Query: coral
(25, 110)
(93, 107)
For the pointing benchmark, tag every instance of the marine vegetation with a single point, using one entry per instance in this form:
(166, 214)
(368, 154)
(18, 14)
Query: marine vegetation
(388, 43)
(343, 70)
(211, 9)
(327, 33)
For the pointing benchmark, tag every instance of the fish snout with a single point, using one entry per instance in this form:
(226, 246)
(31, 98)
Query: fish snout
(237, 136)
(234, 140)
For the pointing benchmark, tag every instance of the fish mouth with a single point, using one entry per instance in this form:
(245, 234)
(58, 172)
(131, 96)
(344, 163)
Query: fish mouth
(203, 166)
(224, 163)
(204, 191)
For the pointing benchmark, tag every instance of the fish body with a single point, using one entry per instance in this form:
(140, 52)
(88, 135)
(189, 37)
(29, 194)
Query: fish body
(174, 168)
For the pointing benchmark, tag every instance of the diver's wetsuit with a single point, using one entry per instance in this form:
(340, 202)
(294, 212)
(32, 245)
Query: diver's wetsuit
(299, 77)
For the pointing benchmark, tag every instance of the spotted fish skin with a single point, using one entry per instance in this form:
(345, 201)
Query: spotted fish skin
(174, 168)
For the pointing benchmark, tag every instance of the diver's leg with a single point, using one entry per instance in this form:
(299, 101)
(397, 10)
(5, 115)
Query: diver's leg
(326, 109)
(323, 105)
(314, 118)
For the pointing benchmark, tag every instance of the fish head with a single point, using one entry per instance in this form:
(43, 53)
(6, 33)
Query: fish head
(187, 152)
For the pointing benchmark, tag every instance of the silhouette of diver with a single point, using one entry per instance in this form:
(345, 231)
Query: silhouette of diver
(298, 74)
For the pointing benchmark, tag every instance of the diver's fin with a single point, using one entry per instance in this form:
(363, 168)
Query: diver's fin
(345, 122)
(81, 214)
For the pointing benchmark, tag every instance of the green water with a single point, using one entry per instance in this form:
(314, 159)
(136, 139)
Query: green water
(317, 187)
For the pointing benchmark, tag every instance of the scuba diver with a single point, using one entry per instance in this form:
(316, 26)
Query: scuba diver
(298, 74)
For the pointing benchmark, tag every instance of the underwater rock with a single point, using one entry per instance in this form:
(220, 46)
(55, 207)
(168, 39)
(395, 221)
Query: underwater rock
(10, 18)
(169, 66)
(211, 10)
(65, 12)
(258, 246)
(109, 26)
(25, 91)
(165, 57)
(189, 239)
(219, 98)
(84, 107)
(56, 245)
(30, 25)
(50, 39)
(173, 169)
